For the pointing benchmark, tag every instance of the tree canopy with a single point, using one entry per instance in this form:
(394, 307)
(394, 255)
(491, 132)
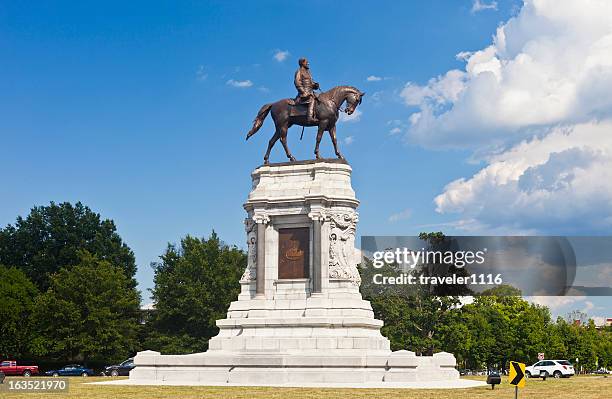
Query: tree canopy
(194, 285)
(89, 313)
(52, 236)
(17, 296)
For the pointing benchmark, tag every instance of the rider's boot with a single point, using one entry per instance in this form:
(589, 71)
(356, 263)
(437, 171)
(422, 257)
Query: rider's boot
(311, 109)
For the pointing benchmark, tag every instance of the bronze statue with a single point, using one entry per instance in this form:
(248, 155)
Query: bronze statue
(306, 86)
(288, 112)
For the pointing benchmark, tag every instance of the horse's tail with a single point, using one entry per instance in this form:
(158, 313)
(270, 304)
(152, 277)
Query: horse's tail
(261, 115)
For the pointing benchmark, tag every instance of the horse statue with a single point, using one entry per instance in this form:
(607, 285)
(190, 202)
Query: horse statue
(286, 113)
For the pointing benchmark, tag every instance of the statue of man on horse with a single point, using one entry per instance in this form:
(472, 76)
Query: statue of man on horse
(307, 109)
(306, 86)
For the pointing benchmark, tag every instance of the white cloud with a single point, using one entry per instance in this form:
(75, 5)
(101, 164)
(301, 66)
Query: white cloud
(239, 83)
(480, 5)
(281, 55)
(535, 106)
(550, 64)
(559, 183)
(354, 117)
(397, 126)
(349, 140)
(555, 302)
(201, 73)
(403, 215)
(374, 78)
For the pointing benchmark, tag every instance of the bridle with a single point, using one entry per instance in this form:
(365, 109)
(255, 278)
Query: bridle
(339, 106)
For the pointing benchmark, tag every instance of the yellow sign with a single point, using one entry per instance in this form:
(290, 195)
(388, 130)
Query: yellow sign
(517, 374)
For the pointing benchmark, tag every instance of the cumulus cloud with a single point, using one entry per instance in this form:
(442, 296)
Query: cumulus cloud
(550, 64)
(374, 78)
(349, 140)
(281, 55)
(535, 107)
(558, 183)
(239, 83)
(403, 215)
(481, 5)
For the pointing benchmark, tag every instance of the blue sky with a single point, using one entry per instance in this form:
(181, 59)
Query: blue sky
(132, 108)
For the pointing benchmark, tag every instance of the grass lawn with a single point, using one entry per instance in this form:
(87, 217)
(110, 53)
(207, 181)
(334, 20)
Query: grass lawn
(591, 387)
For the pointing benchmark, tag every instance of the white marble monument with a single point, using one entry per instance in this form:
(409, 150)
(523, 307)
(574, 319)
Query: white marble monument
(300, 319)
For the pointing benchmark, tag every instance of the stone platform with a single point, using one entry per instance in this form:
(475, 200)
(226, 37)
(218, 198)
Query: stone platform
(300, 319)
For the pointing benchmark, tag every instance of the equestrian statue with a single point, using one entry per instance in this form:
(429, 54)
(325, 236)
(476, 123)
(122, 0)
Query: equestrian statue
(307, 109)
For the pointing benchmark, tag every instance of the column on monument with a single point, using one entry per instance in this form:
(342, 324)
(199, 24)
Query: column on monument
(261, 220)
(316, 261)
(317, 251)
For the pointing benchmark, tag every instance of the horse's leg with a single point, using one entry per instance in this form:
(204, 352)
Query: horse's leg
(271, 143)
(283, 139)
(332, 134)
(319, 136)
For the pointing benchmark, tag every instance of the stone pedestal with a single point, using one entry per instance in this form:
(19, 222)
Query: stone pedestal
(313, 325)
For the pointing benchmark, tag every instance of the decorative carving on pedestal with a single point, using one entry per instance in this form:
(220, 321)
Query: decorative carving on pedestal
(260, 217)
(250, 273)
(341, 247)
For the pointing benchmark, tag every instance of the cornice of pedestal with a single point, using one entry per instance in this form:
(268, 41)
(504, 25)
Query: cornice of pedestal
(324, 182)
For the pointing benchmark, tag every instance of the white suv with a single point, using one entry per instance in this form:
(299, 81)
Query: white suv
(554, 368)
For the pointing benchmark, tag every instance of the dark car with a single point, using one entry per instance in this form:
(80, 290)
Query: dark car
(122, 368)
(71, 370)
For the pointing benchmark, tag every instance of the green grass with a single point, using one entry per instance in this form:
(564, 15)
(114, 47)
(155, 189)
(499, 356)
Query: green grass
(594, 387)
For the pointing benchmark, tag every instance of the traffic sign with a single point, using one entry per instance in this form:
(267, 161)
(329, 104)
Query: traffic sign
(541, 356)
(517, 374)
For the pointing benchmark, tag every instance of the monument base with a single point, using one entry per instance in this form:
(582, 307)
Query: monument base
(321, 340)
(273, 369)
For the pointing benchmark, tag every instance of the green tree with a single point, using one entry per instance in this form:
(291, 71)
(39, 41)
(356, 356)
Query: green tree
(503, 328)
(194, 286)
(604, 347)
(17, 296)
(89, 313)
(50, 237)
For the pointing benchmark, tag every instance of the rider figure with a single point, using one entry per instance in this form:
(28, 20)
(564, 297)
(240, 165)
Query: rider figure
(305, 86)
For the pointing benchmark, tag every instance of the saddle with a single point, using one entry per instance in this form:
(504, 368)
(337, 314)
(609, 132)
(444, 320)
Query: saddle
(298, 108)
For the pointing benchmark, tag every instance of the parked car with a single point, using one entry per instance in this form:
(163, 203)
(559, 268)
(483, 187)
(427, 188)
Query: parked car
(71, 370)
(554, 368)
(601, 371)
(122, 368)
(10, 367)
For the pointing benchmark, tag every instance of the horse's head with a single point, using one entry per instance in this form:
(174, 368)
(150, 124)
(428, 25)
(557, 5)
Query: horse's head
(353, 99)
